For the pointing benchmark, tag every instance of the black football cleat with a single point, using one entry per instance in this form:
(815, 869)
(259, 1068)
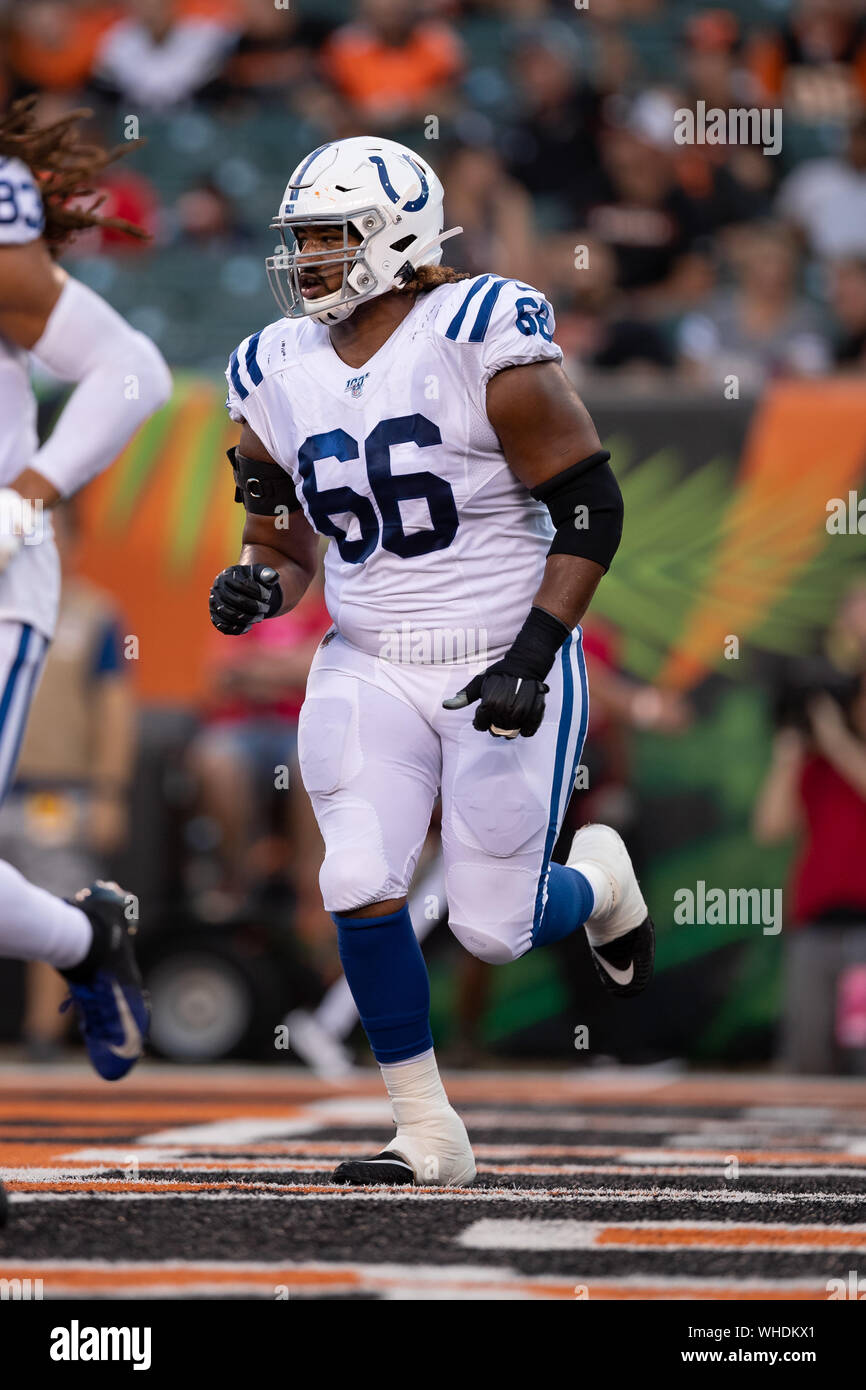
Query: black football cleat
(625, 966)
(385, 1167)
(625, 962)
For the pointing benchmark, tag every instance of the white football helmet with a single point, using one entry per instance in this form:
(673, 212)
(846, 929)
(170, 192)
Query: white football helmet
(380, 191)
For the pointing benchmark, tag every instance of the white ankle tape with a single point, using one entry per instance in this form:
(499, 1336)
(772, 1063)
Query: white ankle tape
(600, 884)
(415, 1088)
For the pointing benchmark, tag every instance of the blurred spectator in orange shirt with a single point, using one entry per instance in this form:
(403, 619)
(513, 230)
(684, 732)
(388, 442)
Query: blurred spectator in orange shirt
(52, 43)
(392, 66)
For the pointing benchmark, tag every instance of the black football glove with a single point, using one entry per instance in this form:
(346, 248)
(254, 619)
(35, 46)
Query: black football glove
(242, 596)
(510, 704)
(512, 690)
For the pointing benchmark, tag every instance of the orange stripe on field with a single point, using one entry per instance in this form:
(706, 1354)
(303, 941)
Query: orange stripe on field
(180, 1086)
(128, 1277)
(34, 1156)
(721, 1294)
(135, 1277)
(132, 1276)
(156, 1114)
(733, 1237)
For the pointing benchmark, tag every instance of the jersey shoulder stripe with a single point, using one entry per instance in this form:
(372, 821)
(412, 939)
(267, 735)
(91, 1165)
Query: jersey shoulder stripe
(256, 374)
(234, 373)
(479, 328)
(244, 371)
(279, 345)
(456, 323)
(495, 322)
(472, 319)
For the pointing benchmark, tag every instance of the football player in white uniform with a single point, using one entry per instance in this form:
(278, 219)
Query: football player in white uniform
(120, 379)
(421, 420)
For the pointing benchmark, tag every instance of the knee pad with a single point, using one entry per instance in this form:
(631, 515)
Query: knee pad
(354, 877)
(491, 911)
(495, 805)
(495, 950)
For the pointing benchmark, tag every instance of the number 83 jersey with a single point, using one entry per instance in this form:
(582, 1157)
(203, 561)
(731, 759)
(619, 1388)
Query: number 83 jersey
(436, 549)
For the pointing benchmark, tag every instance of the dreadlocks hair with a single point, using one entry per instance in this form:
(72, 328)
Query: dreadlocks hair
(65, 168)
(430, 277)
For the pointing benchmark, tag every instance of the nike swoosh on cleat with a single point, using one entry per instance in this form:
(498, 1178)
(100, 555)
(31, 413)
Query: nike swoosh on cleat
(619, 977)
(132, 1039)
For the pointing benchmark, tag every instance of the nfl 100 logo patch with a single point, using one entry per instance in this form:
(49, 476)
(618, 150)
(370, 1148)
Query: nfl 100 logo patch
(355, 384)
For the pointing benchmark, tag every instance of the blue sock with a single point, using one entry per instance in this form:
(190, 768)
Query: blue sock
(388, 979)
(570, 900)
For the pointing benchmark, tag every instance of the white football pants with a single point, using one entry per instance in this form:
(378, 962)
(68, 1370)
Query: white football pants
(375, 748)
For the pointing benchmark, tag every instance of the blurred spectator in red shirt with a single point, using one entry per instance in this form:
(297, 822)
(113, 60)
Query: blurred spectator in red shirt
(130, 196)
(816, 787)
(392, 66)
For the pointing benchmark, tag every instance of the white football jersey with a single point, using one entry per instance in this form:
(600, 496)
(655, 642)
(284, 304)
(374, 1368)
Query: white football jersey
(30, 586)
(436, 548)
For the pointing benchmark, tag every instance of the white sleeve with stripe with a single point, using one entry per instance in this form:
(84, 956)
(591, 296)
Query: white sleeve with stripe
(21, 216)
(244, 400)
(511, 323)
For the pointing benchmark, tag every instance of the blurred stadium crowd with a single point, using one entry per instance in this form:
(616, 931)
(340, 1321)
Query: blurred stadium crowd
(552, 124)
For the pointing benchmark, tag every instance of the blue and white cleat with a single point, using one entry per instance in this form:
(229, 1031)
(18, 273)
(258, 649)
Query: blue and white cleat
(106, 988)
(620, 930)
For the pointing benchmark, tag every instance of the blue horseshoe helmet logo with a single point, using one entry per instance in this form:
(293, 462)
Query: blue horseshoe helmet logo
(417, 203)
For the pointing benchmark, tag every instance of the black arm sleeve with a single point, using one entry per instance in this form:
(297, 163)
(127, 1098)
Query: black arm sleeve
(262, 487)
(585, 504)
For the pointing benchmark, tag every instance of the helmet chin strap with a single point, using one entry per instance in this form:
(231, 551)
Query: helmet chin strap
(335, 315)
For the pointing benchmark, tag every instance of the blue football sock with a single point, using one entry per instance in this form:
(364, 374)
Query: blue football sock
(386, 973)
(570, 900)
